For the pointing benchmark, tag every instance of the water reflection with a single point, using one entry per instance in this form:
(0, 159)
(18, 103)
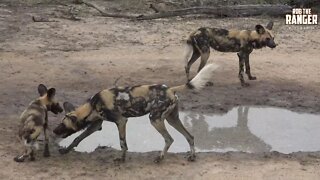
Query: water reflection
(237, 137)
(247, 129)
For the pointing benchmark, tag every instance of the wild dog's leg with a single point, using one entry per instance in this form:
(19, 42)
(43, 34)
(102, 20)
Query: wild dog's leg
(196, 54)
(27, 153)
(31, 154)
(242, 56)
(205, 53)
(46, 152)
(248, 68)
(121, 124)
(31, 142)
(174, 120)
(95, 126)
(21, 158)
(23, 141)
(161, 128)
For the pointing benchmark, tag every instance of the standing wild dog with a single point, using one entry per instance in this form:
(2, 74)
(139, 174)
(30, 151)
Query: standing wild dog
(34, 120)
(241, 41)
(119, 103)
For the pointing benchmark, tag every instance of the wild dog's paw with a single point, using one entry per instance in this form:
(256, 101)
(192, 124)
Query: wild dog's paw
(244, 84)
(119, 160)
(32, 158)
(158, 159)
(191, 157)
(18, 159)
(252, 78)
(46, 154)
(209, 84)
(63, 150)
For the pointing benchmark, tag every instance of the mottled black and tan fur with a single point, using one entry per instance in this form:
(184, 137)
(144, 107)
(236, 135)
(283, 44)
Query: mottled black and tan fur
(120, 103)
(34, 120)
(241, 41)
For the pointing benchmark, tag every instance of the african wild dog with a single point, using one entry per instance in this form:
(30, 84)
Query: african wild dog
(119, 103)
(241, 41)
(34, 120)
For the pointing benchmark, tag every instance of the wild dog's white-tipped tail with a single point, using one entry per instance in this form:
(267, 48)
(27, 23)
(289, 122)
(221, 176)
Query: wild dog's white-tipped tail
(204, 76)
(200, 80)
(188, 52)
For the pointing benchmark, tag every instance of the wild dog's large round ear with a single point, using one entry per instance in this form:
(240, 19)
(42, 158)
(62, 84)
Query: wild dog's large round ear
(51, 93)
(42, 89)
(260, 29)
(68, 107)
(270, 25)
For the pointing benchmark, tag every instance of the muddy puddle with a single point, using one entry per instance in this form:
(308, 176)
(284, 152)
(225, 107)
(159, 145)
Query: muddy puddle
(246, 129)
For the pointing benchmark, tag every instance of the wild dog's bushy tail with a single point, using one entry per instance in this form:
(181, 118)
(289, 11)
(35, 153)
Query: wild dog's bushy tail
(199, 81)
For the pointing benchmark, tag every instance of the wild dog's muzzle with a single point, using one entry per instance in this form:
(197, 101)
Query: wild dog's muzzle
(270, 43)
(62, 131)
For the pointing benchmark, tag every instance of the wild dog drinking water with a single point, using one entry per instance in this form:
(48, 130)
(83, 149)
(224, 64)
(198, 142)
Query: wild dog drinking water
(34, 120)
(120, 103)
(241, 41)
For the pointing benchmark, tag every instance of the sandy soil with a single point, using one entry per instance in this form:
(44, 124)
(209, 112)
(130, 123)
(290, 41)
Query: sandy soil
(79, 58)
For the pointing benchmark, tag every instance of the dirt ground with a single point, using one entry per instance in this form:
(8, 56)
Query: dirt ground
(80, 58)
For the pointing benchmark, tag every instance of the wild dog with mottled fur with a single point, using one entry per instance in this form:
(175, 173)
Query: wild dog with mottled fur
(34, 120)
(119, 103)
(241, 41)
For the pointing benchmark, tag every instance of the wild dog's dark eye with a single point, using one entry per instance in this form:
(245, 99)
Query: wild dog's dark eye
(268, 39)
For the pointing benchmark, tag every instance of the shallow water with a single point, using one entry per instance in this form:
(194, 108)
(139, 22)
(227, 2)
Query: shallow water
(246, 129)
